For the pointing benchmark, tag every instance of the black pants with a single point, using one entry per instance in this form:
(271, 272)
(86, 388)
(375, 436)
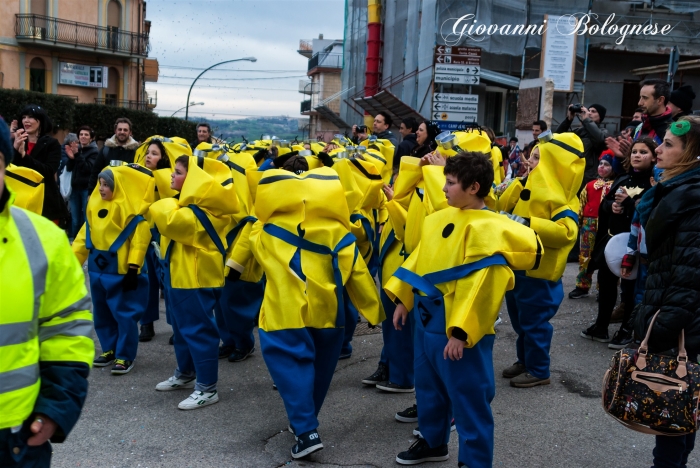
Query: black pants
(25, 456)
(607, 282)
(673, 451)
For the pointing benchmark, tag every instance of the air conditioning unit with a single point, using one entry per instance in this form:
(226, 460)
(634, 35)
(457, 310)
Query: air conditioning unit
(37, 32)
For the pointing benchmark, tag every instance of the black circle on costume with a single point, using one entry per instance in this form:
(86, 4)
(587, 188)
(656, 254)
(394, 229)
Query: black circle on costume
(525, 194)
(448, 230)
(102, 213)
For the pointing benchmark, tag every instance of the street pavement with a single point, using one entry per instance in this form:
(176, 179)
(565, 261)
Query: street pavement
(126, 423)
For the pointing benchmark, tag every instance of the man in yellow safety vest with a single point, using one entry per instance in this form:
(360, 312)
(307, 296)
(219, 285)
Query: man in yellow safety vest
(45, 331)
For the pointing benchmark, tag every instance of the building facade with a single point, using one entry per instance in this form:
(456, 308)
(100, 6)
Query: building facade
(604, 72)
(94, 51)
(322, 91)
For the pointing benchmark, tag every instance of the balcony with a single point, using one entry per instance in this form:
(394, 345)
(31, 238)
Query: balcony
(54, 32)
(307, 87)
(326, 61)
(306, 106)
(136, 105)
(306, 48)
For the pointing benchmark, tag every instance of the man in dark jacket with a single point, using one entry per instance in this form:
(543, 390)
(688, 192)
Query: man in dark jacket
(653, 99)
(592, 136)
(36, 149)
(121, 147)
(80, 164)
(681, 102)
(407, 129)
(203, 134)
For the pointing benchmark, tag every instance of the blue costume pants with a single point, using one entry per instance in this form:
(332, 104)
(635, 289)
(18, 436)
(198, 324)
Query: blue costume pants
(397, 353)
(531, 305)
(237, 313)
(351, 316)
(116, 313)
(152, 312)
(301, 362)
(196, 337)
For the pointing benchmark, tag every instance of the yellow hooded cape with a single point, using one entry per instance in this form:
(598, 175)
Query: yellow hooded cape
(28, 187)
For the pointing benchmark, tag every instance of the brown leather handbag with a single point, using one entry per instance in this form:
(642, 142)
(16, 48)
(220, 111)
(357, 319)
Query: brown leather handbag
(652, 393)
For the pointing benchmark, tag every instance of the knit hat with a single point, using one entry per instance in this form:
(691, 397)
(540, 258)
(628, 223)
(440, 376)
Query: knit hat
(5, 144)
(601, 110)
(607, 155)
(683, 98)
(108, 177)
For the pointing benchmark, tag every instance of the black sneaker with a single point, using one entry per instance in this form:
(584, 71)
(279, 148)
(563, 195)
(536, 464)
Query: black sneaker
(104, 360)
(225, 351)
(147, 332)
(122, 367)
(239, 355)
(578, 293)
(307, 443)
(379, 376)
(421, 452)
(395, 388)
(621, 339)
(409, 415)
(453, 427)
(593, 333)
(345, 356)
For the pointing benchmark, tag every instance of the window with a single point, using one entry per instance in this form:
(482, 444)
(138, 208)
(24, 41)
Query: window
(37, 75)
(112, 91)
(114, 19)
(492, 112)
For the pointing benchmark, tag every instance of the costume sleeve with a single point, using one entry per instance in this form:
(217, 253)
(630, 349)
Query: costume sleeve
(583, 200)
(241, 252)
(397, 213)
(78, 246)
(556, 234)
(382, 212)
(174, 222)
(477, 300)
(66, 346)
(410, 174)
(138, 246)
(363, 292)
(434, 179)
(397, 289)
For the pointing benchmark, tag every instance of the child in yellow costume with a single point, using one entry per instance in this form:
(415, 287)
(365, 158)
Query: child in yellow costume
(193, 229)
(309, 256)
(28, 187)
(548, 203)
(242, 295)
(114, 240)
(454, 283)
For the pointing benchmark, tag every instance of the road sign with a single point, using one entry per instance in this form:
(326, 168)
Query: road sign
(449, 125)
(456, 59)
(457, 79)
(454, 116)
(466, 51)
(458, 69)
(452, 107)
(458, 98)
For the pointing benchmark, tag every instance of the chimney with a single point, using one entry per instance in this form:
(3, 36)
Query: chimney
(320, 36)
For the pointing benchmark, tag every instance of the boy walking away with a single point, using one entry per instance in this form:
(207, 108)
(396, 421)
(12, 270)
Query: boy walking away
(460, 278)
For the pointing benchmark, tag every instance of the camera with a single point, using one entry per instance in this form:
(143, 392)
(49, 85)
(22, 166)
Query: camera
(362, 129)
(575, 108)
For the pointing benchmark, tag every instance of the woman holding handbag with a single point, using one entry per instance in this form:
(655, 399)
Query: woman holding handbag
(670, 213)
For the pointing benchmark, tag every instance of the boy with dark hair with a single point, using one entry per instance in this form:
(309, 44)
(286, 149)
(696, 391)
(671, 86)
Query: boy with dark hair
(460, 278)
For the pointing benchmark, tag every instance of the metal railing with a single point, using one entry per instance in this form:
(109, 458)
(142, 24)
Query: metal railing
(137, 105)
(305, 106)
(59, 31)
(325, 60)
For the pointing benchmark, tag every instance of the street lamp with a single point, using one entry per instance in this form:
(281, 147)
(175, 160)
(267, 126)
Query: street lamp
(188, 105)
(249, 59)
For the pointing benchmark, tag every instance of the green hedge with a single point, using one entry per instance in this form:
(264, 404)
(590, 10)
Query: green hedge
(59, 108)
(66, 114)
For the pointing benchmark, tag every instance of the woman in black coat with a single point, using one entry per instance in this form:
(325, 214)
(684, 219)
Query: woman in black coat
(80, 164)
(670, 215)
(36, 149)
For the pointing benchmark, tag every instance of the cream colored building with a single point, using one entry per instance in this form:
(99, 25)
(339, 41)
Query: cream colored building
(92, 50)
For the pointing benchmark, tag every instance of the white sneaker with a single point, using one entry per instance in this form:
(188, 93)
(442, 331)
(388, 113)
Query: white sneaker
(498, 322)
(174, 384)
(199, 400)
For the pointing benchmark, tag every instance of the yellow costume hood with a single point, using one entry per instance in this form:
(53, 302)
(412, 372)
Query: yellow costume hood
(209, 186)
(28, 187)
(174, 149)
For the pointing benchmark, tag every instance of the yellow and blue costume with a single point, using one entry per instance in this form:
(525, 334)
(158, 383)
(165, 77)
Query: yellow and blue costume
(460, 273)
(114, 236)
(548, 198)
(309, 256)
(28, 187)
(193, 231)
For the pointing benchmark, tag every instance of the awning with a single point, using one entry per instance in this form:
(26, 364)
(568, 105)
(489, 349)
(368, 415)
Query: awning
(501, 79)
(687, 65)
(386, 101)
(326, 113)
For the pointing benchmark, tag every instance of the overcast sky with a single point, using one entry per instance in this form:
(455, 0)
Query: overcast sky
(199, 33)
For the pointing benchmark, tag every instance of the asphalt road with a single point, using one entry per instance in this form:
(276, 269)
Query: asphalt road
(126, 423)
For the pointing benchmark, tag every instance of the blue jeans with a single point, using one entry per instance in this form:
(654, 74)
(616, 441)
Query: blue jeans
(78, 204)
